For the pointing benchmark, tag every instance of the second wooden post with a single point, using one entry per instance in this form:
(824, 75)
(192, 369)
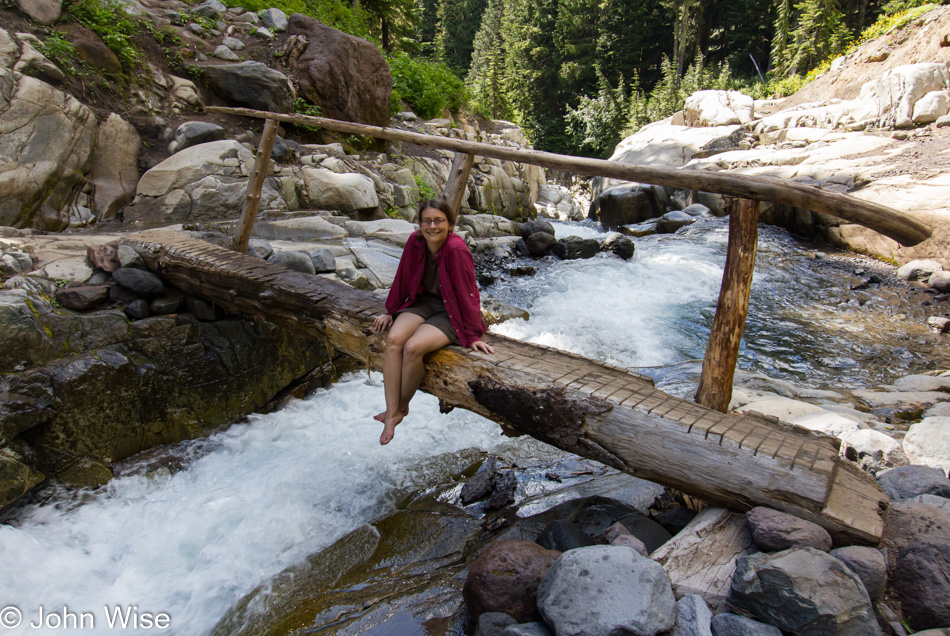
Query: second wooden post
(722, 351)
(458, 178)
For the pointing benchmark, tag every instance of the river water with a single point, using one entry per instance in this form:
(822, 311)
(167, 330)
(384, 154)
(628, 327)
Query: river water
(191, 529)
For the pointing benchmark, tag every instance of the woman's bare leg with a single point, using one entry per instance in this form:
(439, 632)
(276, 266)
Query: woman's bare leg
(403, 329)
(426, 339)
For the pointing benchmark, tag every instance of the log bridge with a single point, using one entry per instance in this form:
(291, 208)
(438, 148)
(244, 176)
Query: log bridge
(582, 406)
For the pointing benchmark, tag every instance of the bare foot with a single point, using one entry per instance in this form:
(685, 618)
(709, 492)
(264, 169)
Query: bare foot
(389, 428)
(381, 417)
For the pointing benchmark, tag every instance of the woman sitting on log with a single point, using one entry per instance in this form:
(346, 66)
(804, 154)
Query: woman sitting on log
(434, 301)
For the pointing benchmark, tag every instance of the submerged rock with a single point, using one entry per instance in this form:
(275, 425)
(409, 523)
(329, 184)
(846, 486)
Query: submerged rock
(505, 578)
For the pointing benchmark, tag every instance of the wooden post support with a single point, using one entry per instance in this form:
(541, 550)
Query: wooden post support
(254, 186)
(722, 350)
(458, 178)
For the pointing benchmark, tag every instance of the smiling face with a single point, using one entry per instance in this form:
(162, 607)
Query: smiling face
(435, 228)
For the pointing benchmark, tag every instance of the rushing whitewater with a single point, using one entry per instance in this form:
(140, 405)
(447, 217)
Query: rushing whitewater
(246, 503)
(249, 502)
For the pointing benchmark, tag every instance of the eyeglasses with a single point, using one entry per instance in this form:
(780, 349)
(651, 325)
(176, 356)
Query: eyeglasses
(435, 222)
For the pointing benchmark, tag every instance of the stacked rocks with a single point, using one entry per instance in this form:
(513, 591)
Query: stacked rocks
(581, 577)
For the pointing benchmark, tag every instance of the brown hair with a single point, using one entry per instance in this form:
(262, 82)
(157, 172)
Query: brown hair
(438, 204)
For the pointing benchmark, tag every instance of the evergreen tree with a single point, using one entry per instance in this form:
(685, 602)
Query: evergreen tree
(781, 54)
(428, 12)
(459, 20)
(595, 125)
(535, 93)
(632, 41)
(819, 34)
(487, 78)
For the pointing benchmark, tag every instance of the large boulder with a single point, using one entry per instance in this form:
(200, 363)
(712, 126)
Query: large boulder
(46, 140)
(928, 442)
(42, 11)
(917, 542)
(601, 590)
(114, 172)
(251, 84)
(907, 482)
(899, 89)
(718, 108)
(505, 578)
(207, 181)
(348, 192)
(26, 342)
(803, 591)
(91, 49)
(626, 204)
(345, 75)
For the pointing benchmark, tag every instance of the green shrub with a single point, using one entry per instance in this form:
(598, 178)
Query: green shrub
(108, 20)
(425, 190)
(61, 52)
(339, 15)
(426, 87)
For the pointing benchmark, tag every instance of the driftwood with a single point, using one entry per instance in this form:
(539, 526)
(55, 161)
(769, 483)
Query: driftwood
(880, 218)
(585, 407)
(701, 559)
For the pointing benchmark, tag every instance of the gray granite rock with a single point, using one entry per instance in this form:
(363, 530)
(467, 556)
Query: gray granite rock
(803, 590)
(906, 482)
(868, 564)
(192, 133)
(574, 247)
(693, 617)
(672, 221)
(734, 625)
(274, 19)
(167, 303)
(139, 281)
(493, 624)
(773, 530)
(603, 590)
(297, 261)
(138, 309)
(540, 243)
(82, 297)
(922, 581)
(618, 244)
(535, 225)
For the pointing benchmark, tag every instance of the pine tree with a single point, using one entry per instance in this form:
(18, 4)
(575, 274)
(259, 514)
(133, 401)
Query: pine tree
(781, 54)
(819, 34)
(459, 20)
(487, 77)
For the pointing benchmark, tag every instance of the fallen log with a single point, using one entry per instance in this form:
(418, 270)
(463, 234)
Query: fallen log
(585, 407)
(880, 218)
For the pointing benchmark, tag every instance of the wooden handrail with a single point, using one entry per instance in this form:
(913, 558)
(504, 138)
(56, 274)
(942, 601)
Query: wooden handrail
(880, 218)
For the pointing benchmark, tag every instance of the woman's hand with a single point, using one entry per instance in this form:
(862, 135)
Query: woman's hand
(484, 347)
(382, 323)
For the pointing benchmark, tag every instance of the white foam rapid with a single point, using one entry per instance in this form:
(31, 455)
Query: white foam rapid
(253, 500)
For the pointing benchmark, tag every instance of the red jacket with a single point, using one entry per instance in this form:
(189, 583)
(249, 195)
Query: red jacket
(456, 278)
